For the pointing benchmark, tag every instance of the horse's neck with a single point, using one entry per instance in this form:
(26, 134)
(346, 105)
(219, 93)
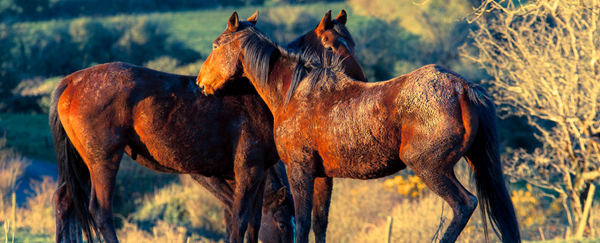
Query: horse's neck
(274, 90)
(353, 69)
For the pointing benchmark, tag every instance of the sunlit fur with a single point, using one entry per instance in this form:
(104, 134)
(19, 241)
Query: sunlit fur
(333, 126)
(143, 85)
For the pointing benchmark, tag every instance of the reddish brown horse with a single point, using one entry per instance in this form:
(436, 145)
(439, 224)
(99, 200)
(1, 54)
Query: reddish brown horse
(329, 35)
(104, 111)
(327, 124)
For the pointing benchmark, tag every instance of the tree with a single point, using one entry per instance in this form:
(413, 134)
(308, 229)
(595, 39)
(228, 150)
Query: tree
(543, 57)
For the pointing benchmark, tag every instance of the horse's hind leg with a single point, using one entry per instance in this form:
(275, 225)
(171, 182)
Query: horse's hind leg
(440, 178)
(103, 161)
(103, 174)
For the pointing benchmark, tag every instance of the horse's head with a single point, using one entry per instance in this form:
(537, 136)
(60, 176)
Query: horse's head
(332, 35)
(226, 58)
(277, 217)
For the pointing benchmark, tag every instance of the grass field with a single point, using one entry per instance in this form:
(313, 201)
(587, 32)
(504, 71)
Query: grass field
(28, 134)
(197, 28)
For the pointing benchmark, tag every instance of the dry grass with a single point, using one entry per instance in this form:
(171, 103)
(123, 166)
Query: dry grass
(12, 166)
(161, 232)
(37, 216)
(357, 206)
(359, 211)
(175, 212)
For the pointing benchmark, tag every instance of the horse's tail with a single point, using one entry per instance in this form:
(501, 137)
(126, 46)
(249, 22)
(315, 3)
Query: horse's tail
(72, 171)
(484, 158)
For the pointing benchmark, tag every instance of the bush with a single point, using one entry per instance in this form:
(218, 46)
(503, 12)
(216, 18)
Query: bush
(286, 23)
(32, 10)
(84, 42)
(185, 205)
(133, 183)
(384, 50)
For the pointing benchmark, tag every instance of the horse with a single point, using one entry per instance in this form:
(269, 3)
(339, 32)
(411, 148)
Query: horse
(100, 113)
(329, 35)
(328, 124)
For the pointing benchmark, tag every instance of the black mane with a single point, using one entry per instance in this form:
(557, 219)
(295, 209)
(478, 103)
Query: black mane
(260, 49)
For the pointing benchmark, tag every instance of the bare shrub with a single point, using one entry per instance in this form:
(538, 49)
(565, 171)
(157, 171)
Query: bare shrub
(543, 57)
(38, 214)
(12, 166)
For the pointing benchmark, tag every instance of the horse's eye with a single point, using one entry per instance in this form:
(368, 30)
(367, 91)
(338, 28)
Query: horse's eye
(330, 48)
(214, 46)
(281, 226)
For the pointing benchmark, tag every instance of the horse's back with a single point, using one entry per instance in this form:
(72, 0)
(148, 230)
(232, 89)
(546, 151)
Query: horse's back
(377, 122)
(161, 117)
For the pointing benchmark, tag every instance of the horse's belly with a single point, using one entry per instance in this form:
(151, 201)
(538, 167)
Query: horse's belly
(186, 156)
(363, 166)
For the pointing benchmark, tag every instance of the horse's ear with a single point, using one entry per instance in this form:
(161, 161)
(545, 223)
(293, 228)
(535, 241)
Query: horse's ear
(325, 22)
(281, 195)
(253, 18)
(342, 17)
(234, 22)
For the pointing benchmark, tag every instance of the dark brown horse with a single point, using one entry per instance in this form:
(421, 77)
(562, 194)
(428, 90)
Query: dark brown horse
(327, 124)
(101, 112)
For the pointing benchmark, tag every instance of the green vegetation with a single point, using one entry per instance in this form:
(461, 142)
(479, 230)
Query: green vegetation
(28, 134)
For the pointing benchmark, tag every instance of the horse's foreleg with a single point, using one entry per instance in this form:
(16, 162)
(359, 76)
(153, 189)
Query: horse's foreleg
(302, 185)
(248, 181)
(322, 199)
(256, 213)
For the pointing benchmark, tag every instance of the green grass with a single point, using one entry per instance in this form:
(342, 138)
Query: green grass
(195, 28)
(28, 134)
(198, 29)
